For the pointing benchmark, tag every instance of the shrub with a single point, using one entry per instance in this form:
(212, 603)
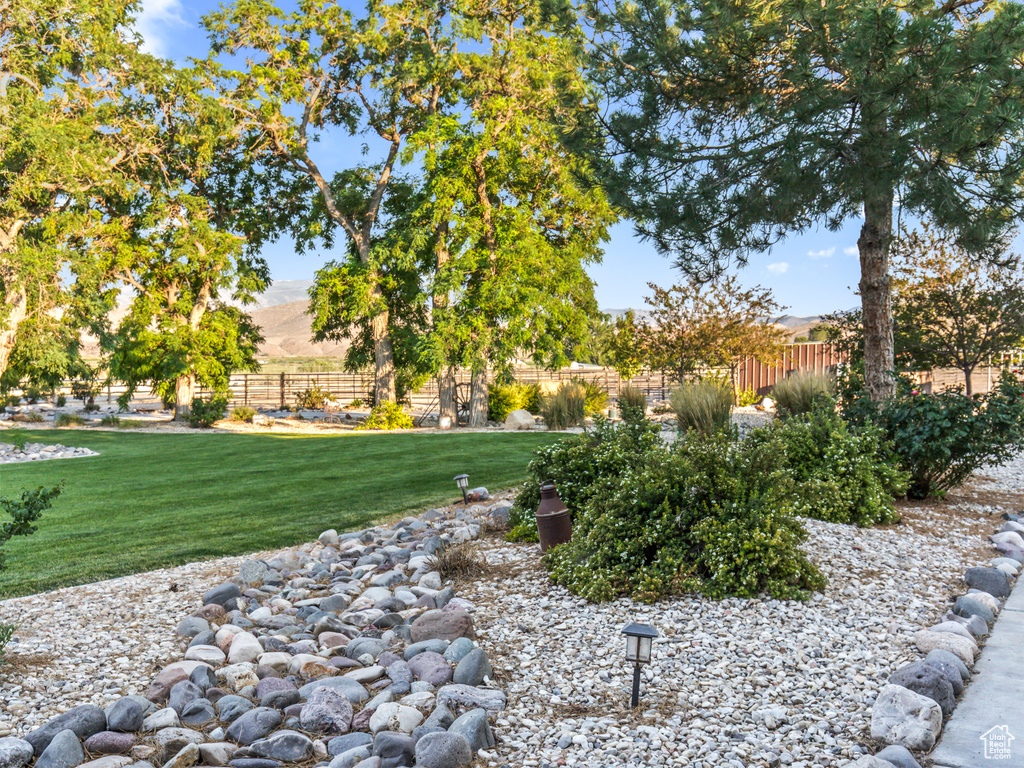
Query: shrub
(632, 404)
(565, 407)
(12, 401)
(703, 405)
(69, 420)
(24, 511)
(32, 417)
(941, 439)
(312, 398)
(502, 399)
(387, 415)
(575, 465)
(18, 437)
(596, 397)
(798, 393)
(747, 397)
(706, 514)
(204, 413)
(62, 400)
(842, 475)
(243, 413)
(6, 633)
(357, 403)
(33, 394)
(110, 421)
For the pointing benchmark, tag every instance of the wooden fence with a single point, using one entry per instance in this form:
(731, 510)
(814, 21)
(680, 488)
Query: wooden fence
(277, 390)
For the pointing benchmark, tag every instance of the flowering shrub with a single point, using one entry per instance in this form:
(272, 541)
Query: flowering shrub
(706, 514)
(387, 415)
(941, 439)
(841, 475)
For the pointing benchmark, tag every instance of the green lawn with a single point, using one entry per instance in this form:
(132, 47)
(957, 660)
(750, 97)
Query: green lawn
(154, 500)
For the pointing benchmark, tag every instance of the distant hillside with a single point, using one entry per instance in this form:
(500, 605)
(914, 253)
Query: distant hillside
(287, 332)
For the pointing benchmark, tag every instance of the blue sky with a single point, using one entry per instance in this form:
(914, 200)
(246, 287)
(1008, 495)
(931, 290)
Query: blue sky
(810, 274)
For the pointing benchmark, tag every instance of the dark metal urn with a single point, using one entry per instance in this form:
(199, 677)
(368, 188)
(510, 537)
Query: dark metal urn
(554, 522)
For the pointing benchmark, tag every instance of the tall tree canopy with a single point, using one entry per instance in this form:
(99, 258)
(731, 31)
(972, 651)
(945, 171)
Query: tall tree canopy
(65, 140)
(734, 123)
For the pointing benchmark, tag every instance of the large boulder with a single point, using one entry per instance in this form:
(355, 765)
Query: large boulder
(991, 580)
(443, 624)
(928, 681)
(63, 751)
(83, 721)
(903, 717)
(520, 419)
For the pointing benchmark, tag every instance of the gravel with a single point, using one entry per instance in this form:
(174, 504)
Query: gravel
(732, 683)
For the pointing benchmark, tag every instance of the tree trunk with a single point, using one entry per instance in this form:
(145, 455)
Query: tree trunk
(15, 310)
(446, 395)
(383, 355)
(876, 295)
(968, 374)
(184, 392)
(478, 399)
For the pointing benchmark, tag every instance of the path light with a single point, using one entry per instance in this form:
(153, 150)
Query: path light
(639, 640)
(463, 482)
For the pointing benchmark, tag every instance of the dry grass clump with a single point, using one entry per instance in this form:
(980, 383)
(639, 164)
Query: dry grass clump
(702, 405)
(459, 561)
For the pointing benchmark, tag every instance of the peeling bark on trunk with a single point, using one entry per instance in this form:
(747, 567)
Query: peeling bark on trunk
(876, 296)
(15, 310)
(184, 392)
(383, 357)
(446, 395)
(478, 399)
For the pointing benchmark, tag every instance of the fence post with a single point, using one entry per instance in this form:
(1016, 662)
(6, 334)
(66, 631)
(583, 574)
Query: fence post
(282, 390)
(245, 397)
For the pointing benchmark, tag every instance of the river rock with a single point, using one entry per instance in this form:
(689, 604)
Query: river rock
(286, 746)
(327, 710)
(394, 749)
(990, 580)
(162, 718)
(350, 689)
(63, 751)
(14, 753)
(442, 624)
(125, 714)
(430, 667)
(474, 727)
(928, 681)
(473, 668)
(443, 750)
(968, 606)
(394, 717)
(900, 716)
(254, 724)
(83, 720)
(898, 756)
(220, 595)
(960, 647)
(459, 698)
(110, 743)
(170, 741)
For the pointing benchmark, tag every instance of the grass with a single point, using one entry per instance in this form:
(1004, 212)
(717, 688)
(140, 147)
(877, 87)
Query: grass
(152, 501)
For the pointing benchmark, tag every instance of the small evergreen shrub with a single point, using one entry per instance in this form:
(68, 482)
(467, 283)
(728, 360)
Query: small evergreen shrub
(6, 633)
(575, 465)
(565, 407)
(387, 415)
(204, 413)
(12, 401)
(357, 403)
(941, 439)
(62, 400)
(33, 394)
(842, 475)
(798, 393)
(502, 399)
(312, 398)
(747, 397)
(596, 398)
(69, 420)
(243, 413)
(703, 406)
(706, 514)
(632, 404)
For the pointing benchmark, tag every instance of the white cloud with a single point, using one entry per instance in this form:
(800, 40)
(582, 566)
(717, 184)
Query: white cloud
(822, 254)
(779, 267)
(156, 23)
(853, 250)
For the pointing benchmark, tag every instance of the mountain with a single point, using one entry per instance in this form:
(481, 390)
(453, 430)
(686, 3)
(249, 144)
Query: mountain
(287, 331)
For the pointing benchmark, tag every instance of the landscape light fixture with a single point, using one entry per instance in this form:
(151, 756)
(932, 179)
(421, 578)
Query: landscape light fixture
(639, 641)
(463, 482)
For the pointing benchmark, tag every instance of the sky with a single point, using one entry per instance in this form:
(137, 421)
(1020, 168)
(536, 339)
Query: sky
(811, 274)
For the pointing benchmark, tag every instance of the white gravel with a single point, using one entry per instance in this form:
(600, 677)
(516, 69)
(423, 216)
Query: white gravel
(13, 454)
(733, 683)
